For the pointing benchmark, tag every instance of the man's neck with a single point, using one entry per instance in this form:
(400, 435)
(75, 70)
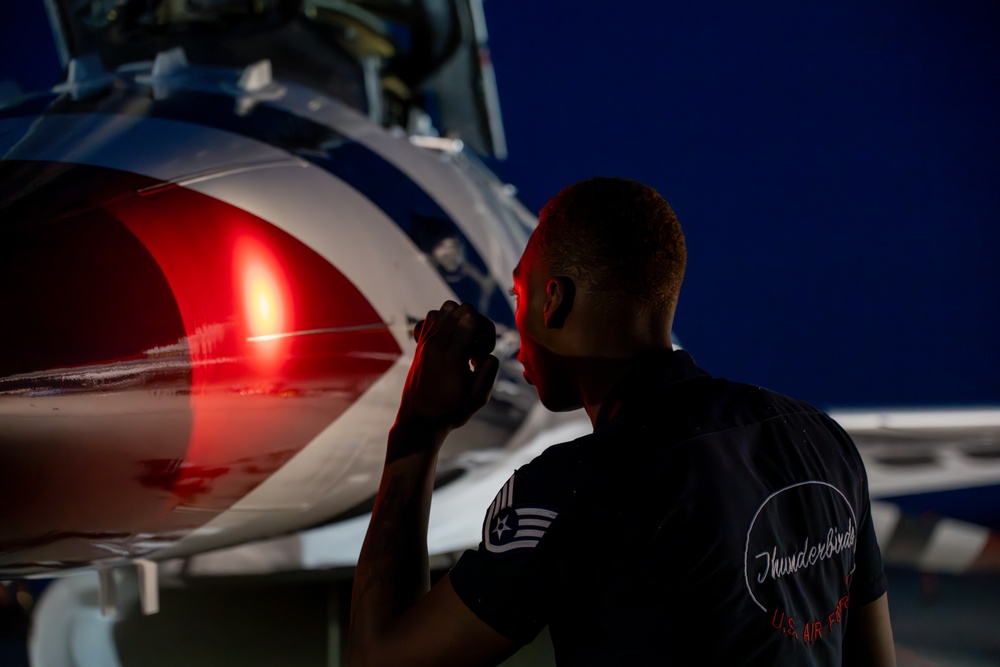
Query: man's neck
(597, 378)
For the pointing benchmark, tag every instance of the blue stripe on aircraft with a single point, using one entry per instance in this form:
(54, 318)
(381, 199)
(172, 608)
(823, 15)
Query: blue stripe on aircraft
(423, 220)
(407, 204)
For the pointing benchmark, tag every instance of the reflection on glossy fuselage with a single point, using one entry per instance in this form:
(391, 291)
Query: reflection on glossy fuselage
(142, 400)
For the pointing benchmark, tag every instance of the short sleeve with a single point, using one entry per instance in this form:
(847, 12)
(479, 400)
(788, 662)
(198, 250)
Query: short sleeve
(868, 582)
(507, 582)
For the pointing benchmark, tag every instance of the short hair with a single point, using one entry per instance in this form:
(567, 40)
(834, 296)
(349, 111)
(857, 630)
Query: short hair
(617, 238)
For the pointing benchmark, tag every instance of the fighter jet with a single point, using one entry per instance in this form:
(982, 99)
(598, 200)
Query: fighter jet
(216, 235)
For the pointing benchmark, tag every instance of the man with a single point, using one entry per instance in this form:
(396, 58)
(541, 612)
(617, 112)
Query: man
(703, 522)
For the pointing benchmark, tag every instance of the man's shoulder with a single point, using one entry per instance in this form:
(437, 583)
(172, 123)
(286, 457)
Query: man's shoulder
(754, 396)
(562, 474)
(563, 458)
(720, 404)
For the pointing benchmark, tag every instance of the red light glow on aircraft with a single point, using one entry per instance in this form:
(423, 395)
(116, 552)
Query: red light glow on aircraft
(265, 294)
(266, 301)
(261, 290)
(263, 300)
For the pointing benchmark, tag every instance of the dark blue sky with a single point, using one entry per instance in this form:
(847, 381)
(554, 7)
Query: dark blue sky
(836, 168)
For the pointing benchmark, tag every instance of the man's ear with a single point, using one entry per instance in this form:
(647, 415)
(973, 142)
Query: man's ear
(560, 292)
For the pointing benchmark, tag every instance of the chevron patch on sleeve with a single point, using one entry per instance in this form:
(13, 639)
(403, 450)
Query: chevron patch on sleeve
(509, 527)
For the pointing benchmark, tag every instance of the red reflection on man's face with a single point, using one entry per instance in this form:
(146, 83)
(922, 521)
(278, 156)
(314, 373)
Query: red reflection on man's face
(544, 367)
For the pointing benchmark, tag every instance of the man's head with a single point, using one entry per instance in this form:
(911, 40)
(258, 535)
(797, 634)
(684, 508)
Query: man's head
(618, 239)
(599, 279)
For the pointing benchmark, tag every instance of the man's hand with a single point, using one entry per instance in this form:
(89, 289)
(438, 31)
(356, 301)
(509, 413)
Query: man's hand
(453, 371)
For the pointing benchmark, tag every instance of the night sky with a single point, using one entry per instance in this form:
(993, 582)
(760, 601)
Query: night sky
(836, 168)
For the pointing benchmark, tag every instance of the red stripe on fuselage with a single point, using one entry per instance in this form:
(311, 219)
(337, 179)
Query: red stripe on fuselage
(281, 342)
(155, 358)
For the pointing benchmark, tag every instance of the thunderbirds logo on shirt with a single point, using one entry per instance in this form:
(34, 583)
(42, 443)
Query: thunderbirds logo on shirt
(799, 559)
(511, 528)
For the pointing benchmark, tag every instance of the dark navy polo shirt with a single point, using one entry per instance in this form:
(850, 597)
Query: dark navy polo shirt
(703, 522)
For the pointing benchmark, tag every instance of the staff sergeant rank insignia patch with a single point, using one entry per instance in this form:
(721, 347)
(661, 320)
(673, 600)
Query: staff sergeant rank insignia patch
(511, 528)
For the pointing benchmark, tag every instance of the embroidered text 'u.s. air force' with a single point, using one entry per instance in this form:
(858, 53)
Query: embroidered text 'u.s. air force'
(509, 527)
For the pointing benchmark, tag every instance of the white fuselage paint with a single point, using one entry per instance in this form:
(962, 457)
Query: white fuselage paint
(341, 466)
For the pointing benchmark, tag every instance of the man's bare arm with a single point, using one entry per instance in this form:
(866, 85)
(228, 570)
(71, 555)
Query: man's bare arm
(394, 619)
(868, 641)
(392, 571)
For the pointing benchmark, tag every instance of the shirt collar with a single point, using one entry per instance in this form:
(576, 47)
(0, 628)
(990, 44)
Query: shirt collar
(646, 375)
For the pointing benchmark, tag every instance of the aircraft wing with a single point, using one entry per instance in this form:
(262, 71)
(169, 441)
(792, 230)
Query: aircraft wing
(918, 451)
(934, 478)
(456, 519)
(926, 470)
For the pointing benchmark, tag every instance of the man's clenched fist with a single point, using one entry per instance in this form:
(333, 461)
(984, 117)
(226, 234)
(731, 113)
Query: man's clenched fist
(453, 371)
